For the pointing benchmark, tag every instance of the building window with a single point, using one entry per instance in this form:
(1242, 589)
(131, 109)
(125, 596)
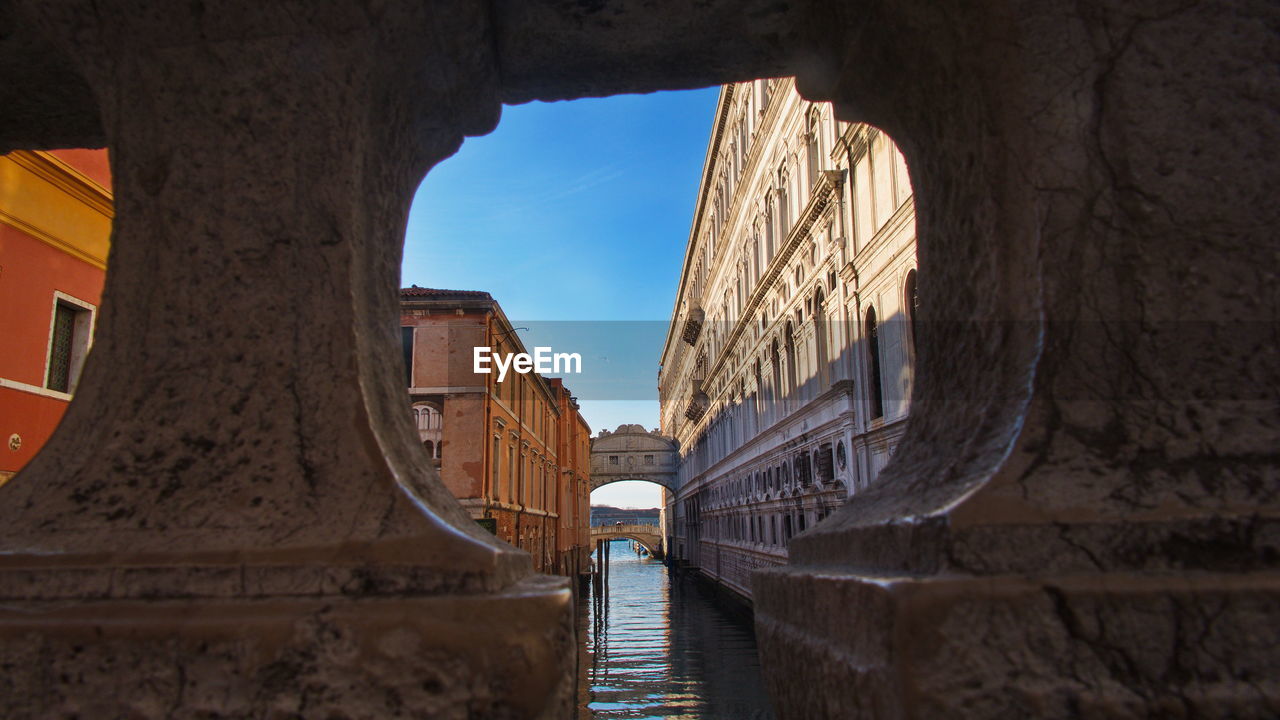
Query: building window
(406, 350)
(814, 149)
(873, 353)
(613, 459)
(913, 304)
(804, 471)
(69, 340)
(820, 336)
(429, 421)
(510, 494)
(495, 468)
(825, 463)
(789, 341)
(648, 459)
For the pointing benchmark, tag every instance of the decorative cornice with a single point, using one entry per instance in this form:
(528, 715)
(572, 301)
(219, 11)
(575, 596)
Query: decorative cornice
(56, 172)
(59, 205)
(828, 185)
(713, 148)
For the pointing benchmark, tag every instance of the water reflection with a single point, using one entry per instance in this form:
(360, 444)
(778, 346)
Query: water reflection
(659, 645)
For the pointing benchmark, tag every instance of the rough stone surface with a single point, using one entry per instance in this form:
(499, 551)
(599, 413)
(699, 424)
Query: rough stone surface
(1091, 461)
(240, 440)
(1096, 404)
(497, 655)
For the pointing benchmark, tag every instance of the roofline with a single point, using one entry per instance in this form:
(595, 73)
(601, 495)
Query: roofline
(486, 302)
(713, 145)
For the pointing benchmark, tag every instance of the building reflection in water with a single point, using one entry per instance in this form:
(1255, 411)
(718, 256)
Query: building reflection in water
(658, 645)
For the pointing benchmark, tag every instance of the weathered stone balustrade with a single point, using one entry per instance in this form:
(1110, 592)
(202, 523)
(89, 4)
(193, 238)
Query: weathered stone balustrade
(234, 519)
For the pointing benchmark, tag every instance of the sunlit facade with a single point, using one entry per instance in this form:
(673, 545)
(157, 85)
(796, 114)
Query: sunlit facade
(514, 452)
(56, 209)
(786, 375)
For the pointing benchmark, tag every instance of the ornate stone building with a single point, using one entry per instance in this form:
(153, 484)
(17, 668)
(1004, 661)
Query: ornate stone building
(786, 377)
(514, 452)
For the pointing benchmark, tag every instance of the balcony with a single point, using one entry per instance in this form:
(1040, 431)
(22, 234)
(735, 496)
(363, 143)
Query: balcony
(697, 406)
(693, 325)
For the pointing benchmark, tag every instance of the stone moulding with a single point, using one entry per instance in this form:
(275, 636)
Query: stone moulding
(1022, 646)
(1088, 177)
(444, 656)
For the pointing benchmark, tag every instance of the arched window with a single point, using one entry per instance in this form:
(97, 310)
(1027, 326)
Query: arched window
(814, 148)
(789, 340)
(784, 210)
(820, 331)
(912, 303)
(769, 242)
(759, 391)
(873, 364)
(755, 258)
(776, 360)
(430, 424)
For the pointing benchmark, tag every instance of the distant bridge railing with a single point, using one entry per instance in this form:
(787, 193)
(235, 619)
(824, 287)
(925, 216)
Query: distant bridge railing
(646, 535)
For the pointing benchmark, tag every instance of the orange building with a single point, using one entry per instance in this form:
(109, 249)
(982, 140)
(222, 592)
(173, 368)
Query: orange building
(497, 442)
(573, 452)
(55, 228)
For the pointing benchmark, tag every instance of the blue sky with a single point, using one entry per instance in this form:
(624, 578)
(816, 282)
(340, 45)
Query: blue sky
(574, 216)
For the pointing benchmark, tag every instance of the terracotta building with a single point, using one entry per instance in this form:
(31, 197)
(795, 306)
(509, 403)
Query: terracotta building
(573, 452)
(512, 448)
(55, 227)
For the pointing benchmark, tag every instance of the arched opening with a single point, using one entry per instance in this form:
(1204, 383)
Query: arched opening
(874, 376)
(792, 380)
(821, 339)
(776, 392)
(429, 422)
(911, 301)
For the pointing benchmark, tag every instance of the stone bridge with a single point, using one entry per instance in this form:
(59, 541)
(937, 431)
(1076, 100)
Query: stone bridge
(633, 453)
(646, 535)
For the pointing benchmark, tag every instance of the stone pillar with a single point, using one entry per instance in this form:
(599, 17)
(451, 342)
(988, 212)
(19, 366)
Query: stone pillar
(234, 517)
(1082, 519)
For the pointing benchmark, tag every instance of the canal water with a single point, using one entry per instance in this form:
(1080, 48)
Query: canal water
(663, 645)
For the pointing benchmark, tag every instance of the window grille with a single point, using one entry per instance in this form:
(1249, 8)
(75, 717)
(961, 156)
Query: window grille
(60, 348)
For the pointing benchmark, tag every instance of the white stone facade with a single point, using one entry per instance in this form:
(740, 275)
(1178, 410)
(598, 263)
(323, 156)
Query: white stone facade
(800, 262)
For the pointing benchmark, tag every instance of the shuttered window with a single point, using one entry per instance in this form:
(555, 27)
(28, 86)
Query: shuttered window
(64, 328)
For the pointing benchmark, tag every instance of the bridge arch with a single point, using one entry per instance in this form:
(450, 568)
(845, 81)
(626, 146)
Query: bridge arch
(597, 483)
(648, 536)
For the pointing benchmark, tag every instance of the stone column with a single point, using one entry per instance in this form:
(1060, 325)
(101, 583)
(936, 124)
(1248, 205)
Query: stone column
(1081, 520)
(234, 517)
